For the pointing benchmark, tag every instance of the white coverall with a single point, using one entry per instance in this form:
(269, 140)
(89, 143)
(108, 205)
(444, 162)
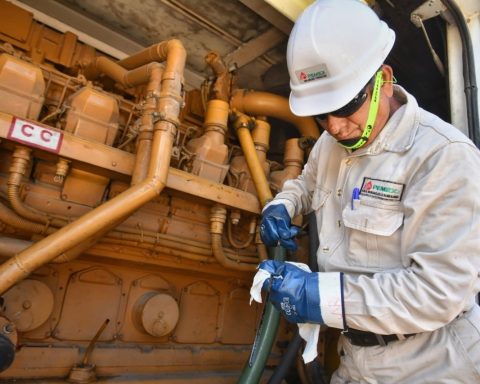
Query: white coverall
(409, 248)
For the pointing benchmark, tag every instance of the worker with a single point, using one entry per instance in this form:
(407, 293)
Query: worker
(396, 194)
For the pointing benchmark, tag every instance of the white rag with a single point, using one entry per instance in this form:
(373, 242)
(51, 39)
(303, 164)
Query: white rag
(308, 332)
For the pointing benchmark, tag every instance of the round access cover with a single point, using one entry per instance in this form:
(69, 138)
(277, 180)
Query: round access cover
(28, 304)
(157, 313)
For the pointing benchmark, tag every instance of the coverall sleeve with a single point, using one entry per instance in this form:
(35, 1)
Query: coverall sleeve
(440, 247)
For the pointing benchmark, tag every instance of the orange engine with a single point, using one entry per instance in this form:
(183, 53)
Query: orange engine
(128, 213)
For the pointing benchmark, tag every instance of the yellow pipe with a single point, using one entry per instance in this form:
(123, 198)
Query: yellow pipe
(222, 85)
(151, 73)
(268, 104)
(242, 124)
(11, 246)
(219, 214)
(11, 218)
(246, 243)
(18, 169)
(110, 214)
(176, 252)
(144, 142)
(293, 164)
(218, 218)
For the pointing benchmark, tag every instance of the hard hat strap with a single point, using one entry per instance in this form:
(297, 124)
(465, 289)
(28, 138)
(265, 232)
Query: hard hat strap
(372, 113)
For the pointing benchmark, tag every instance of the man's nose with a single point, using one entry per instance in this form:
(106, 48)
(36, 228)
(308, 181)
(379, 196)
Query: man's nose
(335, 124)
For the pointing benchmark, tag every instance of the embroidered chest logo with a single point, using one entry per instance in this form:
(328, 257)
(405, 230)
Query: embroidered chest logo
(382, 189)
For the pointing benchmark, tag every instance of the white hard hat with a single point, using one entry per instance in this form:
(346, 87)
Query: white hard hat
(334, 49)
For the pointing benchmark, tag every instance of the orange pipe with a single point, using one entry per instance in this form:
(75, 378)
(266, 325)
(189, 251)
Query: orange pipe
(132, 78)
(151, 73)
(11, 218)
(222, 85)
(242, 125)
(157, 52)
(110, 214)
(144, 142)
(293, 162)
(268, 104)
(176, 252)
(18, 170)
(218, 218)
(10, 246)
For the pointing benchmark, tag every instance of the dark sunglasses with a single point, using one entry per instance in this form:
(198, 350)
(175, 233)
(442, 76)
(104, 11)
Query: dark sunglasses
(348, 109)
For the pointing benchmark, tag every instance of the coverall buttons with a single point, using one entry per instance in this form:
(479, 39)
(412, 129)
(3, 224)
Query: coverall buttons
(339, 192)
(348, 161)
(325, 249)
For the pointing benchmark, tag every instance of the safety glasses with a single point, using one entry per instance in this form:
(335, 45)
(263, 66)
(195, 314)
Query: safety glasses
(348, 109)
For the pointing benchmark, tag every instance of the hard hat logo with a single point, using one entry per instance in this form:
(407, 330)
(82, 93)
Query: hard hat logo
(313, 73)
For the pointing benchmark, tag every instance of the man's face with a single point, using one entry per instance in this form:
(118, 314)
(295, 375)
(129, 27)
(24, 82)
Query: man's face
(351, 127)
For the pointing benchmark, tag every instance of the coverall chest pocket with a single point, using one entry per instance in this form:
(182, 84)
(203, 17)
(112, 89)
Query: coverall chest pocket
(373, 234)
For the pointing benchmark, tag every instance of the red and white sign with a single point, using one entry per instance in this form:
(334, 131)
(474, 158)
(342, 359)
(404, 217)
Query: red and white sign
(34, 135)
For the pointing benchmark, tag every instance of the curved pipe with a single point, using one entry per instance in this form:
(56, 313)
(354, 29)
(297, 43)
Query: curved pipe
(269, 104)
(221, 87)
(248, 241)
(18, 168)
(293, 164)
(11, 218)
(218, 218)
(110, 214)
(158, 52)
(151, 73)
(11, 246)
(127, 78)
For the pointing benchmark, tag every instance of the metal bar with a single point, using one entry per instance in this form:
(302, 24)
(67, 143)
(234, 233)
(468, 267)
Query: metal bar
(254, 48)
(121, 162)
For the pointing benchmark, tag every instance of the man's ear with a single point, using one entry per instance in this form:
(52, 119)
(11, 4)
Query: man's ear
(388, 80)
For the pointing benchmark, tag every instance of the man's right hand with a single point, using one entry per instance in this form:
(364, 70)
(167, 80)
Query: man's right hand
(276, 227)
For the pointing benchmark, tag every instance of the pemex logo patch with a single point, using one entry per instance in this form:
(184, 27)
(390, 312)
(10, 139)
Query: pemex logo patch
(382, 189)
(316, 72)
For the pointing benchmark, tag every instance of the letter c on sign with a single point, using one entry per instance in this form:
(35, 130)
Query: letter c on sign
(46, 135)
(24, 130)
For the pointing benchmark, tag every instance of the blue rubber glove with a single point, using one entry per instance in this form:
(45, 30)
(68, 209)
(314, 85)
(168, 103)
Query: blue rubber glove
(293, 291)
(276, 227)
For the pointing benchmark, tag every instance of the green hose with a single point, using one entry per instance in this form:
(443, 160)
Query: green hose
(267, 331)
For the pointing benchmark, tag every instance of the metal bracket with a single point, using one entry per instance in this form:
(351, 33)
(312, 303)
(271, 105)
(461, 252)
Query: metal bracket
(427, 10)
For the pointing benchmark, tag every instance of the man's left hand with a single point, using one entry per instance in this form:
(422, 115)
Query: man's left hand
(293, 291)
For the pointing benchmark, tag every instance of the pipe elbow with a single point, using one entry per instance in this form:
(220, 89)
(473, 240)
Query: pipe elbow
(269, 104)
(174, 53)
